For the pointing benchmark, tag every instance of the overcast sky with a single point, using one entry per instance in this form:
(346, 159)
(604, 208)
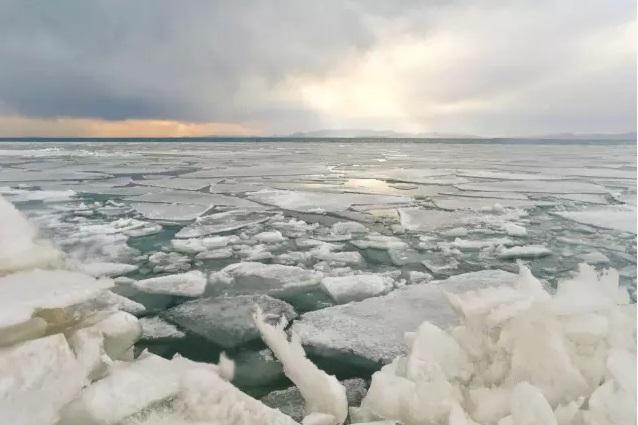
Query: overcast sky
(166, 67)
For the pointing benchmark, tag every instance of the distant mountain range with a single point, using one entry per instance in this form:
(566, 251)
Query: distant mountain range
(390, 134)
(591, 136)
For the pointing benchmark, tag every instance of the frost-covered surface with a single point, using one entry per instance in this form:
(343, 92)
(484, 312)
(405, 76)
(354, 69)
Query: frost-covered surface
(518, 356)
(278, 220)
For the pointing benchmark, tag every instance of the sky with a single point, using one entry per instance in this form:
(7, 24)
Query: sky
(500, 68)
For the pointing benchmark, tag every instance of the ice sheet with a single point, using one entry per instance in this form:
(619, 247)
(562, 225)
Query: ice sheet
(362, 329)
(622, 218)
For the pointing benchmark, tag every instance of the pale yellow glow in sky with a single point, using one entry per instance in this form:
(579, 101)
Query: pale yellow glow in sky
(17, 126)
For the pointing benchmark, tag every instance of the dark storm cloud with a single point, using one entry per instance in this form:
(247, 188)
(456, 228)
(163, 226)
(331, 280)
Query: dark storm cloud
(491, 67)
(163, 59)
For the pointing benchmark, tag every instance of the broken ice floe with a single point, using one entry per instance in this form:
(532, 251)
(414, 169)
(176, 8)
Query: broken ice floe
(362, 329)
(621, 218)
(227, 321)
(189, 284)
(254, 277)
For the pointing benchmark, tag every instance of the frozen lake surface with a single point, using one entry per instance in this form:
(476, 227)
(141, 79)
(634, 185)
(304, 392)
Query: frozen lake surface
(197, 233)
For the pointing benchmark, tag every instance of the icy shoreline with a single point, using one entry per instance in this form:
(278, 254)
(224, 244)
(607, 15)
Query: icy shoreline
(518, 356)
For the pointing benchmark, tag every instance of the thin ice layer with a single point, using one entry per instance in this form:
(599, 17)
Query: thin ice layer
(364, 330)
(621, 218)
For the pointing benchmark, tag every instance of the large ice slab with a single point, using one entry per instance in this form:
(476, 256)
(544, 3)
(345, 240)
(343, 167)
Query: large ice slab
(622, 218)
(373, 329)
(188, 197)
(227, 321)
(37, 378)
(205, 397)
(253, 277)
(536, 186)
(317, 201)
(223, 222)
(170, 212)
(129, 388)
(24, 293)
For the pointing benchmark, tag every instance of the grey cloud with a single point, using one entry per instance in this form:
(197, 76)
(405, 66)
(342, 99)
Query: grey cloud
(198, 60)
(162, 59)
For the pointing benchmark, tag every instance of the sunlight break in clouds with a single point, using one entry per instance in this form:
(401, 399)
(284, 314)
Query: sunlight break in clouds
(501, 68)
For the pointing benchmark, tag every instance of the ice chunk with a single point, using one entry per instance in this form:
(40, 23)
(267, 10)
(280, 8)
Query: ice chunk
(325, 253)
(24, 293)
(269, 237)
(192, 246)
(223, 222)
(362, 328)
(475, 245)
(19, 246)
(380, 242)
(322, 393)
(418, 219)
(513, 229)
(109, 301)
(527, 251)
(309, 201)
(226, 321)
(129, 388)
(621, 218)
(170, 212)
(347, 227)
(189, 284)
(37, 378)
(100, 269)
(156, 328)
(253, 277)
(344, 289)
(135, 228)
(414, 277)
(215, 254)
(530, 407)
(169, 262)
